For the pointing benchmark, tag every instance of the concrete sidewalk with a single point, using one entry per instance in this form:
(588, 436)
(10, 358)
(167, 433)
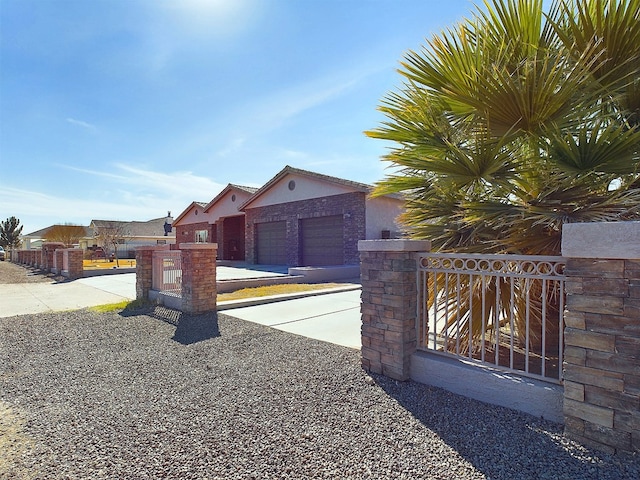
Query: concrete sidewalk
(30, 298)
(331, 317)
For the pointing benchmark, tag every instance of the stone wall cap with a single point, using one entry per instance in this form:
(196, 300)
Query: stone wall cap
(606, 240)
(198, 246)
(394, 245)
(152, 247)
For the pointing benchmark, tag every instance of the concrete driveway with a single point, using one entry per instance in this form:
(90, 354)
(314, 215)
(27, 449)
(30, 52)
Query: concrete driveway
(332, 317)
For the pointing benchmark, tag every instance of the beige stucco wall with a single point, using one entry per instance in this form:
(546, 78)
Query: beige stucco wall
(382, 213)
(305, 188)
(192, 217)
(226, 207)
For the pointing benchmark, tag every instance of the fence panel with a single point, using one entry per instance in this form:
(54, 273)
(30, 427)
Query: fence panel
(167, 271)
(502, 310)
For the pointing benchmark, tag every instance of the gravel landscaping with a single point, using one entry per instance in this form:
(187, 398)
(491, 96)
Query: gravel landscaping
(13, 273)
(87, 395)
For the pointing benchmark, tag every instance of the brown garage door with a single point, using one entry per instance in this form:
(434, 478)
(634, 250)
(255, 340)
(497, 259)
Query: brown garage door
(323, 240)
(271, 242)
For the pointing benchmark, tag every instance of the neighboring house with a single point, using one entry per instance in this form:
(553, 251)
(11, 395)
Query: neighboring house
(34, 240)
(129, 235)
(302, 218)
(220, 221)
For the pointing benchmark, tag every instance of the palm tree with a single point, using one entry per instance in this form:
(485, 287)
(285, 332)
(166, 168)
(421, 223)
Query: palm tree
(513, 123)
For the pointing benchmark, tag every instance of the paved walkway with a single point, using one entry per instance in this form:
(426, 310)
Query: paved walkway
(333, 317)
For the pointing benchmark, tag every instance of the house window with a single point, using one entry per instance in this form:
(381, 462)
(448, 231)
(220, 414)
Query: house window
(202, 236)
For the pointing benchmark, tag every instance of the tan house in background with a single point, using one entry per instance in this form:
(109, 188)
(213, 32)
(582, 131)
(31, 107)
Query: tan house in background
(129, 235)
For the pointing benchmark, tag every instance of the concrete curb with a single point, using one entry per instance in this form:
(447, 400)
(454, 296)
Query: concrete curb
(250, 302)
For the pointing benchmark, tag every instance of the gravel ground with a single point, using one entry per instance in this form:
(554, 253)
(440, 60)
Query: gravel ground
(12, 273)
(87, 395)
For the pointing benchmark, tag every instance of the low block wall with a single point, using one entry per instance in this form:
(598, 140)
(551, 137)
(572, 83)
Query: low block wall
(601, 395)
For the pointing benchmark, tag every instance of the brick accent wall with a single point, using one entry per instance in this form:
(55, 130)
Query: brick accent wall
(350, 205)
(388, 310)
(187, 233)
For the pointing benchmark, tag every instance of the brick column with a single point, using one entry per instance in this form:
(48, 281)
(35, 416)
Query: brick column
(199, 291)
(602, 335)
(58, 261)
(48, 250)
(389, 299)
(144, 270)
(76, 268)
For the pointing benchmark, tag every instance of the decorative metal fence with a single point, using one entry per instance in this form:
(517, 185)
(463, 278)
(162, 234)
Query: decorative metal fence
(167, 271)
(502, 310)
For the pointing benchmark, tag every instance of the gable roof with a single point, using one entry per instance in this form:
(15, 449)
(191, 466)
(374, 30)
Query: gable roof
(202, 205)
(150, 228)
(228, 188)
(288, 170)
(43, 231)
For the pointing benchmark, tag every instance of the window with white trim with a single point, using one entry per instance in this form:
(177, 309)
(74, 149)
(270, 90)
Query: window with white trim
(202, 236)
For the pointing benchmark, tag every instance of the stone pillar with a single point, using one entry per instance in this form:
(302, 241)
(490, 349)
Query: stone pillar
(388, 272)
(199, 291)
(144, 270)
(602, 335)
(48, 250)
(76, 268)
(58, 261)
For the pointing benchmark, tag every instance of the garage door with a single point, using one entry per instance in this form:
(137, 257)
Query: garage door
(271, 242)
(322, 241)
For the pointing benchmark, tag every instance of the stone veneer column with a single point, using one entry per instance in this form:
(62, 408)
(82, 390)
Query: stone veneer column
(76, 268)
(199, 290)
(48, 252)
(144, 269)
(389, 300)
(602, 334)
(58, 261)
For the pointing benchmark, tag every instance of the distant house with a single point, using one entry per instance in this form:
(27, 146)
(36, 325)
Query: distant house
(303, 218)
(128, 235)
(219, 221)
(34, 240)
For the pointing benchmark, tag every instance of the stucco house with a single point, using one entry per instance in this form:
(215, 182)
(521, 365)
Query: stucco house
(303, 218)
(129, 235)
(219, 221)
(298, 218)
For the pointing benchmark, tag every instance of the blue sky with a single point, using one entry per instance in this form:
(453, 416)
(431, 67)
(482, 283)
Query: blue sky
(125, 109)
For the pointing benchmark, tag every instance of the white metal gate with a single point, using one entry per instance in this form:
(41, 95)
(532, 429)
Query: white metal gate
(502, 310)
(166, 274)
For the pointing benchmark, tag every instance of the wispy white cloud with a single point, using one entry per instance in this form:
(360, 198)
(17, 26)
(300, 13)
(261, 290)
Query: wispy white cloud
(126, 193)
(233, 146)
(82, 124)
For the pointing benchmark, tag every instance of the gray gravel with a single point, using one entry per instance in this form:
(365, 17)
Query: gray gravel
(14, 273)
(164, 395)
